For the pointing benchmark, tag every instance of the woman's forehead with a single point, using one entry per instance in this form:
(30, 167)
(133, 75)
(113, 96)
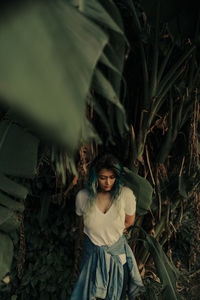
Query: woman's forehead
(106, 172)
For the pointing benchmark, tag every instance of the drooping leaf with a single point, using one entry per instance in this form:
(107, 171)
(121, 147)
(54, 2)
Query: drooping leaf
(88, 133)
(167, 273)
(95, 10)
(103, 87)
(115, 55)
(18, 151)
(8, 220)
(104, 60)
(10, 203)
(141, 188)
(106, 14)
(133, 146)
(6, 254)
(100, 110)
(5, 214)
(48, 77)
(182, 186)
(10, 187)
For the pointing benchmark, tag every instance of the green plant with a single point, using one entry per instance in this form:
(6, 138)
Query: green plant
(46, 83)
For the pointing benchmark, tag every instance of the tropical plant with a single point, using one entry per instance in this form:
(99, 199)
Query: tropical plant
(40, 93)
(165, 118)
(61, 94)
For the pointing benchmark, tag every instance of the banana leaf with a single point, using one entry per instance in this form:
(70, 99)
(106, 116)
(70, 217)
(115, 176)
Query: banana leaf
(12, 204)
(141, 188)
(167, 272)
(18, 151)
(6, 254)
(100, 111)
(95, 10)
(103, 87)
(88, 133)
(104, 60)
(47, 78)
(8, 220)
(113, 25)
(12, 188)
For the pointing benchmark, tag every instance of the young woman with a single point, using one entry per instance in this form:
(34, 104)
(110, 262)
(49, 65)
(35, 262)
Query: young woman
(106, 209)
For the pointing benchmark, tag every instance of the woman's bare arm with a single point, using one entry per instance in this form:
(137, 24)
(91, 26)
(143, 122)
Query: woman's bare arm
(129, 220)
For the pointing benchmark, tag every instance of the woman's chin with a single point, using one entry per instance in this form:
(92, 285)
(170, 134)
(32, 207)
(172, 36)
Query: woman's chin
(106, 189)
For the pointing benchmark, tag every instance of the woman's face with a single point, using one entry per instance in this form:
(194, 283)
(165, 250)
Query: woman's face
(106, 180)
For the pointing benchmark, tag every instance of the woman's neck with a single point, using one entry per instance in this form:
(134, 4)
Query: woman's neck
(102, 194)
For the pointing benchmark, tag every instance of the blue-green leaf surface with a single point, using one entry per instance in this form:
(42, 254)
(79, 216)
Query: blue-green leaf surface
(141, 188)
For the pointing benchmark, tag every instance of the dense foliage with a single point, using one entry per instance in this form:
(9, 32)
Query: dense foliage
(128, 84)
(49, 258)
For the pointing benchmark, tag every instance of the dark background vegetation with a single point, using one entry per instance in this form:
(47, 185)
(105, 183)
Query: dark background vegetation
(153, 68)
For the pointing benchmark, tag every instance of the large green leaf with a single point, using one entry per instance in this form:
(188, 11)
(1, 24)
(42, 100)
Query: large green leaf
(88, 133)
(10, 203)
(6, 254)
(5, 214)
(141, 188)
(106, 14)
(10, 187)
(104, 60)
(99, 108)
(167, 273)
(18, 151)
(104, 88)
(95, 10)
(8, 220)
(47, 59)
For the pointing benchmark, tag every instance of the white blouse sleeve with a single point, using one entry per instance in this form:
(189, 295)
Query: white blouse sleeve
(81, 199)
(130, 202)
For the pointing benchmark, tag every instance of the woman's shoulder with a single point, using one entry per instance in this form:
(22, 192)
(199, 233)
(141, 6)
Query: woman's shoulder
(126, 190)
(81, 201)
(83, 193)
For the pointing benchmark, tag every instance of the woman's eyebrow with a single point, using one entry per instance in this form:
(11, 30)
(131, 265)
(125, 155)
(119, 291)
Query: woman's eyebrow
(106, 176)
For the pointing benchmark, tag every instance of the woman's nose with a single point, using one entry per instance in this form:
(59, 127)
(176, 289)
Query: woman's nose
(107, 181)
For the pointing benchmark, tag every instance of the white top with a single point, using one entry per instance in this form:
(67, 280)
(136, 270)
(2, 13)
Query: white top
(106, 229)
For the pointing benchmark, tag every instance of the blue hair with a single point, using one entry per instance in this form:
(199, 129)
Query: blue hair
(108, 162)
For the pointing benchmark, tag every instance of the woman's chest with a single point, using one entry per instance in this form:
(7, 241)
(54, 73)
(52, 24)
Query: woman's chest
(113, 218)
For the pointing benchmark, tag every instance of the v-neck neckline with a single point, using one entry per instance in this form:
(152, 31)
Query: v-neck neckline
(103, 212)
